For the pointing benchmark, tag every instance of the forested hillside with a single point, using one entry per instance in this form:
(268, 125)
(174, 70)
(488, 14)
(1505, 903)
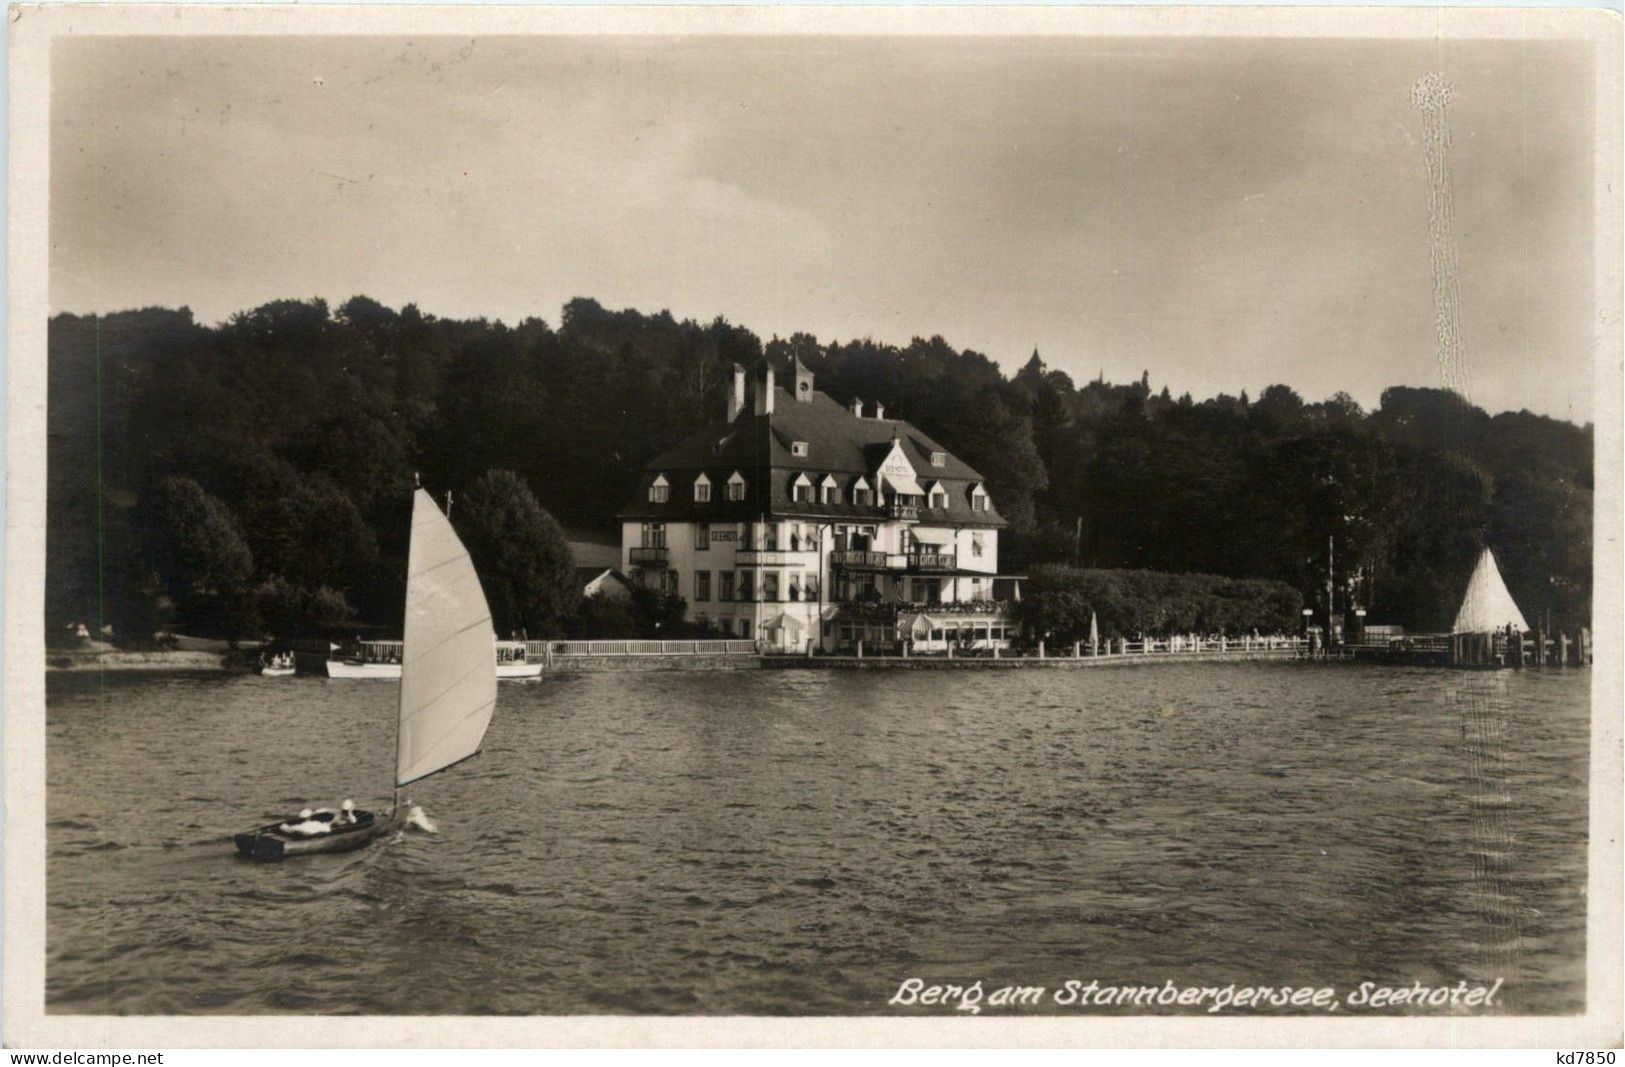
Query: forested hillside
(259, 471)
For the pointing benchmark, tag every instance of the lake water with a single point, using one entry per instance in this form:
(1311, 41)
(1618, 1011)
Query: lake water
(802, 841)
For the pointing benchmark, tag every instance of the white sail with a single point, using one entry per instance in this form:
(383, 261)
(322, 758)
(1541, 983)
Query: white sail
(1487, 606)
(448, 664)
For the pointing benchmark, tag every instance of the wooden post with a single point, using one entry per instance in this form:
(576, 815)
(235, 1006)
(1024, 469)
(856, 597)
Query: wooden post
(1077, 649)
(1562, 649)
(1040, 648)
(860, 648)
(1515, 649)
(950, 648)
(1094, 646)
(905, 649)
(1540, 647)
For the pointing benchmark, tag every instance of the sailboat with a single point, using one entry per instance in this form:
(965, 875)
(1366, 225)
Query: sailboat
(448, 691)
(1487, 605)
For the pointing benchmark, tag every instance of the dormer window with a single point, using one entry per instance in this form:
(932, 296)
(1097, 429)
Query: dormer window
(938, 496)
(829, 491)
(978, 499)
(702, 490)
(801, 489)
(862, 495)
(660, 490)
(736, 486)
(939, 459)
(798, 448)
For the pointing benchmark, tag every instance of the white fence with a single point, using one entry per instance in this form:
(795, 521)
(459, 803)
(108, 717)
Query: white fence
(542, 649)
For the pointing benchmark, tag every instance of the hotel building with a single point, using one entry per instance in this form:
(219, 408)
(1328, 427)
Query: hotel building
(799, 522)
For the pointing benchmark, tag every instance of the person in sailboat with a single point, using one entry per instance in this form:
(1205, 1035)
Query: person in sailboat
(309, 823)
(347, 813)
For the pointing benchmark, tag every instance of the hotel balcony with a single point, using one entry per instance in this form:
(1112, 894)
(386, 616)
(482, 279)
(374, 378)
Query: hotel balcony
(856, 560)
(903, 512)
(933, 562)
(776, 557)
(649, 556)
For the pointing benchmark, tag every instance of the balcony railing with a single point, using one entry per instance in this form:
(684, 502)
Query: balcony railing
(905, 512)
(933, 561)
(853, 559)
(782, 557)
(648, 556)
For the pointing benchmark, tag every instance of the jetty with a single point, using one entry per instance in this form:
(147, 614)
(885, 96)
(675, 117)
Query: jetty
(1489, 631)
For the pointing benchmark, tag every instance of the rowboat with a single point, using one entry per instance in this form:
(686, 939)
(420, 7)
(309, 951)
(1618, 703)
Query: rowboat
(447, 696)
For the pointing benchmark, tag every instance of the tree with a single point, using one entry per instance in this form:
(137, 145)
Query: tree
(195, 548)
(520, 553)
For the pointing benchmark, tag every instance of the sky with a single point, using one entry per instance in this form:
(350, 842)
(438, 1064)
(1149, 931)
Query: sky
(1223, 213)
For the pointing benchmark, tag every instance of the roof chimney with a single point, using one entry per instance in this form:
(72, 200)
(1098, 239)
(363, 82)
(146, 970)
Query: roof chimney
(736, 398)
(803, 379)
(857, 406)
(764, 389)
(880, 410)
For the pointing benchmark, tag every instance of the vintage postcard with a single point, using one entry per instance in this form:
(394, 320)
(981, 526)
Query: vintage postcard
(850, 526)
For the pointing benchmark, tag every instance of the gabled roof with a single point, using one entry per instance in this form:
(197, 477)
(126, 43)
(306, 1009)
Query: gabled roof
(839, 443)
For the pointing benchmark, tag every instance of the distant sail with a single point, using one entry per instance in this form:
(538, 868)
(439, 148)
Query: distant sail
(448, 664)
(1487, 605)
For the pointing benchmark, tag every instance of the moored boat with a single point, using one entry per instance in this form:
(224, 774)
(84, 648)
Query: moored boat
(382, 660)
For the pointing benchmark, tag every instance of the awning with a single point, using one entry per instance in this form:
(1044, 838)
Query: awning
(784, 621)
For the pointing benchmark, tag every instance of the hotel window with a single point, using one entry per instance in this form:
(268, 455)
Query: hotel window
(702, 585)
(830, 492)
(736, 487)
(860, 496)
(702, 490)
(801, 490)
(725, 587)
(978, 499)
(746, 593)
(977, 547)
(798, 448)
(668, 582)
(939, 496)
(939, 459)
(809, 585)
(654, 535)
(660, 491)
(770, 586)
(702, 536)
(744, 628)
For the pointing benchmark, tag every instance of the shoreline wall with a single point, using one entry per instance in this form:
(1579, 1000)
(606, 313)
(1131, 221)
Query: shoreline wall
(975, 663)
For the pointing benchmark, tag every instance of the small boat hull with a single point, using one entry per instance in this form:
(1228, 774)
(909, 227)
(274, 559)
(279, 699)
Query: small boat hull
(269, 844)
(338, 668)
(276, 672)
